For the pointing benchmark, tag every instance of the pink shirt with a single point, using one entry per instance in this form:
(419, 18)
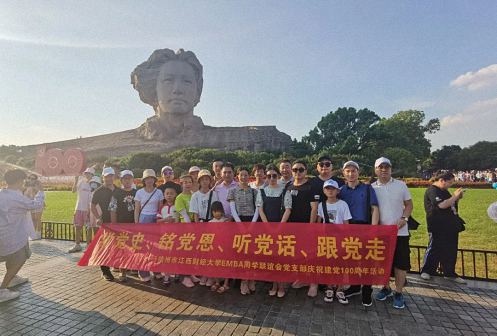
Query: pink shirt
(222, 194)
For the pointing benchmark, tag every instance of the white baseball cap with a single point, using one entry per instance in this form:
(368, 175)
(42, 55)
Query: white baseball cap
(89, 170)
(193, 169)
(382, 160)
(127, 172)
(108, 171)
(331, 183)
(351, 163)
(166, 168)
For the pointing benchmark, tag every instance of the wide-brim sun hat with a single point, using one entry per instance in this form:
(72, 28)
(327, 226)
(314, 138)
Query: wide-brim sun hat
(204, 172)
(149, 173)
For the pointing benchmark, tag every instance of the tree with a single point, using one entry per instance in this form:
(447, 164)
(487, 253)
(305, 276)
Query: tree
(342, 131)
(405, 129)
(446, 158)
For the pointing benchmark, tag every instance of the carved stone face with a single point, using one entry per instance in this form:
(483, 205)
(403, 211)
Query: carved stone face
(176, 88)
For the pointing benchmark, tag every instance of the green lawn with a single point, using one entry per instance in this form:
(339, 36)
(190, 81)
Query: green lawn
(481, 232)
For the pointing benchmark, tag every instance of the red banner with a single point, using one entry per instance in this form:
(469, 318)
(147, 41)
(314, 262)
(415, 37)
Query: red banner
(311, 253)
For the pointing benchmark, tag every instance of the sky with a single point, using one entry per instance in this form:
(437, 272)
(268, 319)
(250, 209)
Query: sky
(65, 65)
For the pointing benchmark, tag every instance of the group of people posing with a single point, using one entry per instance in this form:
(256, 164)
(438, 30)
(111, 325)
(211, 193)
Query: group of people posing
(273, 193)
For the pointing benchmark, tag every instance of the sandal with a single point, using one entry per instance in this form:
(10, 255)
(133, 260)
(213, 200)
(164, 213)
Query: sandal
(215, 287)
(222, 289)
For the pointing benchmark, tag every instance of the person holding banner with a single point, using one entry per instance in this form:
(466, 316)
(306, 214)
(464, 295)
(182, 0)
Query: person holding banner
(333, 211)
(243, 209)
(305, 198)
(395, 206)
(242, 199)
(275, 205)
(15, 227)
(147, 203)
(363, 205)
(201, 202)
(122, 205)
(101, 199)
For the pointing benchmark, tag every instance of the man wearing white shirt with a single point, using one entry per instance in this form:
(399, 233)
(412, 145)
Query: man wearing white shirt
(395, 204)
(15, 228)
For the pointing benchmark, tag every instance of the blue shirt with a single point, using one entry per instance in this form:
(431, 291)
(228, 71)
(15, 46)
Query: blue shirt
(356, 200)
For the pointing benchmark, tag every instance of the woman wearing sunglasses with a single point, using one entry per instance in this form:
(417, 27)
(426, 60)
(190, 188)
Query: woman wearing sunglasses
(275, 204)
(305, 198)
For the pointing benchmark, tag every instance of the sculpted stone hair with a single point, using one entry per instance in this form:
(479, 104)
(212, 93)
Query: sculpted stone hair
(144, 77)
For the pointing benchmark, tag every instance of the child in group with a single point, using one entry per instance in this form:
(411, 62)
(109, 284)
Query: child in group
(218, 215)
(168, 214)
(333, 211)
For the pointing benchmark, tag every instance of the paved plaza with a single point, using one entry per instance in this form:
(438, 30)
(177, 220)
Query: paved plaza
(64, 299)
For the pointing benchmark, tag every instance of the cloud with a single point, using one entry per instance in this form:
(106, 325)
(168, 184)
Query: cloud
(480, 111)
(485, 77)
(473, 124)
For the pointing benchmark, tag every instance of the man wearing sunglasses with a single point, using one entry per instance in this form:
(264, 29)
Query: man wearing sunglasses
(168, 176)
(325, 172)
(305, 200)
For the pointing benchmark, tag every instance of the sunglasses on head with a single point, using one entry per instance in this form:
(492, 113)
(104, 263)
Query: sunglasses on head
(167, 172)
(272, 176)
(326, 164)
(300, 170)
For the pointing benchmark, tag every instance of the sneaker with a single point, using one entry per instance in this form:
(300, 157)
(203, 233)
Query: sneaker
(383, 294)
(425, 276)
(329, 294)
(352, 292)
(341, 298)
(16, 281)
(457, 279)
(367, 301)
(281, 292)
(313, 290)
(145, 278)
(158, 276)
(75, 248)
(166, 281)
(398, 301)
(108, 276)
(194, 278)
(210, 282)
(203, 281)
(187, 282)
(6, 295)
(244, 290)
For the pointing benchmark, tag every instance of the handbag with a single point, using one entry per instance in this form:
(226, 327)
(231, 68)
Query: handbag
(459, 222)
(412, 224)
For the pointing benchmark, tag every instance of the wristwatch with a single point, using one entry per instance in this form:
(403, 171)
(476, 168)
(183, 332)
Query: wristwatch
(405, 218)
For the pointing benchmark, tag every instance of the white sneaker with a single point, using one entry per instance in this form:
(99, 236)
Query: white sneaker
(195, 278)
(6, 295)
(75, 248)
(425, 276)
(313, 290)
(187, 282)
(16, 281)
(209, 282)
(203, 281)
